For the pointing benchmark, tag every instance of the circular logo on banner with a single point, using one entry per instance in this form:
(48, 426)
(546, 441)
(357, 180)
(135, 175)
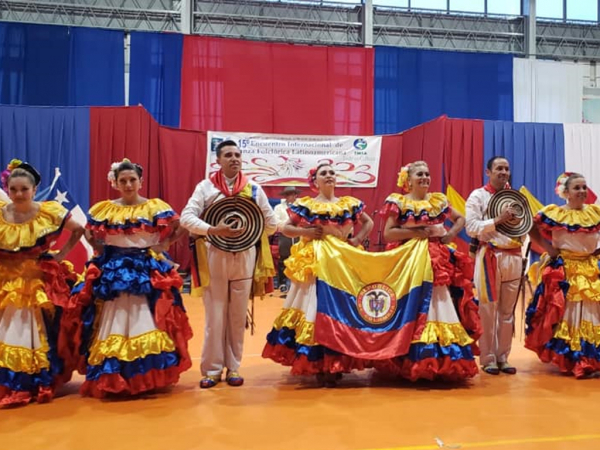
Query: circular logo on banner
(376, 303)
(360, 144)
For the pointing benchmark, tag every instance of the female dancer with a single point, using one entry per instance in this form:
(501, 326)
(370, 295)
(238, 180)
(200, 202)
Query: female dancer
(135, 329)
(291, 342)
(35, 285)
(564, 316)
(443, 338)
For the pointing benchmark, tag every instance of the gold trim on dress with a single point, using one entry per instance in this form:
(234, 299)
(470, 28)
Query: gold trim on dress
(445, 334)
(112, 213)
(589, 216)
(295, 319)
(48, 220)
(433, 204)
(130, 348)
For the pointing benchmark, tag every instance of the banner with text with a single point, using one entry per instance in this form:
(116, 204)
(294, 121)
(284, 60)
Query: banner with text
(285, 159)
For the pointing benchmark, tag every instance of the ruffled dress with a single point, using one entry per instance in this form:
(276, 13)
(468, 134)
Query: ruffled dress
(35, 356)
(135, 331)
(563, 319)
(443, 342)
(291, 341)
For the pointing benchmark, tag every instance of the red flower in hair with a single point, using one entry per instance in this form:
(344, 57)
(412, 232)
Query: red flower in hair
(312, 176)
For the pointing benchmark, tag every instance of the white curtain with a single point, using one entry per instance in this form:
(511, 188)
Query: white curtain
(547, 91)
(582, 152)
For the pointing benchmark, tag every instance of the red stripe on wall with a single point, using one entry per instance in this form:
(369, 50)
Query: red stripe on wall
(235, 85)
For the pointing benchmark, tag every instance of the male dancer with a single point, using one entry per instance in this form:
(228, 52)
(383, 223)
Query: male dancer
(498, 265)
(231, 274)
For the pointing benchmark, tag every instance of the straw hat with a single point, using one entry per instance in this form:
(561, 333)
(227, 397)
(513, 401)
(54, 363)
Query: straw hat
(523, 221)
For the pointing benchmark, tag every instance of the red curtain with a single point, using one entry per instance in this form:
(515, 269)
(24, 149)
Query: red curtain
(463, 155)
(182, 166)
(425, 142)
(117, 133)
(236, 85)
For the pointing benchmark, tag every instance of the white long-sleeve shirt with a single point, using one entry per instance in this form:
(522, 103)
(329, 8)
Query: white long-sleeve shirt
(281, 214)
(480, 226)
(206, 194)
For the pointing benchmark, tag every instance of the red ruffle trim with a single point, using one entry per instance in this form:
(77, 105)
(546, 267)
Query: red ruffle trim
(71, 323)
(116, 384)
(170, 318)
(429, 369)
(300, 365)
(581, 369)
(12, 399)
(445, 272)
(84, 296)
(458, 274)
(443, 269)
(162, 227)
(391, 209)
(549, 312)
(58, 279)
(299, 220)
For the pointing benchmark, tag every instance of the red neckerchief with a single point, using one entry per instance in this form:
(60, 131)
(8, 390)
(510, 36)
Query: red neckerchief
(220, 182)
(488, 187)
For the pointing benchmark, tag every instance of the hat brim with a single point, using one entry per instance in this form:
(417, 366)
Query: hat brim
(523, 222)
(289, 192)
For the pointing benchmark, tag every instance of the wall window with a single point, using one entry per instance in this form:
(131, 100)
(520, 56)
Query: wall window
(550, 9)
(472, 6)
(429, 4)
(396, 3)
(509, 7)
(582, 10)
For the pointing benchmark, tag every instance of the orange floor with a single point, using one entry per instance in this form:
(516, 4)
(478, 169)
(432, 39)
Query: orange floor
(536, 409)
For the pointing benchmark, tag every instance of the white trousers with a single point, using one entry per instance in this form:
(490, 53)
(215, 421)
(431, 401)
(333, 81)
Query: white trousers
(225, 306)
(498, 318)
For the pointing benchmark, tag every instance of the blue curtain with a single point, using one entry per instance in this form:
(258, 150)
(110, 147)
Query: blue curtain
(49, 138)
(535, 151)
(96, 67)
(413, 86)
(155, 74)
(60, 66)
(34, 64)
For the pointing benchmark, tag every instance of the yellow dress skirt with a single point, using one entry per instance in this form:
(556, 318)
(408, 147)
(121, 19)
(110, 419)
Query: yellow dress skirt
(36, 353)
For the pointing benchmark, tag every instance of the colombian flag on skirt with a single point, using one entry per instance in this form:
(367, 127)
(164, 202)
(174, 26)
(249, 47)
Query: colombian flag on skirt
(371, 305)
(408, 311)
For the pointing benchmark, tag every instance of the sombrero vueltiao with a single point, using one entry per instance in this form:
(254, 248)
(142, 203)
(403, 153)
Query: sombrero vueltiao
(523, 221)
(240, 212)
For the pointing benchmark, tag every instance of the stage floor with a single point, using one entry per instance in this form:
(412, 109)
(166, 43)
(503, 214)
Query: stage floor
(536, 409)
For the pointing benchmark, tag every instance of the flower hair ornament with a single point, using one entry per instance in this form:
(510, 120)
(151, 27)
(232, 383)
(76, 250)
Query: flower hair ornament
(18, 164)
(13, 164)
(111, 177)
(403, 179)
(561, 184)
(312, 176)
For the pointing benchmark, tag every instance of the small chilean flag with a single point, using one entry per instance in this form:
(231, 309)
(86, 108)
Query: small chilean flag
(59, 192)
